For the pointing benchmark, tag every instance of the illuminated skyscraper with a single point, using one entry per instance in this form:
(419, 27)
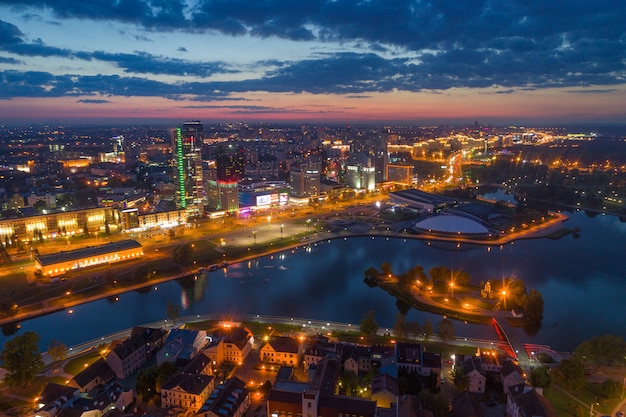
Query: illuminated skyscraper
(231, 163)
(187, 147)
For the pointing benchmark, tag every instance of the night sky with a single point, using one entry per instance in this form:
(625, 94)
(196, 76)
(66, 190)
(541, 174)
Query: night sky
(507, 61)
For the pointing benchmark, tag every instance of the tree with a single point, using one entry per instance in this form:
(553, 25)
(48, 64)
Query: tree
(57, 350)
(369, 327)
(460, 379)
(427, 329)
(183, 254)
(350, 383)
(611, 388)
(540, 377)
(413, 328)
(439, 273)
(386, 269)
(570, 373)
(140, 274)
(145, 386)
(371, 276)
(164, 372)
(607, 349)
(445, 328)
(173, 311)
(400, 326)
(437, 403)
(21, 359)
(533, 307)
(5, 258)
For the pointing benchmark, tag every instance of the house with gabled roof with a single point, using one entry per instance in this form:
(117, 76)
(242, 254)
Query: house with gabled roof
(511, 374)
(230, 399)
(200, 364)
(385, 390)
(98, 373)
(473, 371)
(187, 391)
(317, 398)
(127, 356)
(53, 398)
(182, 345)
(282, 350)
(525, 401)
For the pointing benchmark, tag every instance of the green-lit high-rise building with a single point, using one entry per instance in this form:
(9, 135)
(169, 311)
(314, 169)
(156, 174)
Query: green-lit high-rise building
(187, 152)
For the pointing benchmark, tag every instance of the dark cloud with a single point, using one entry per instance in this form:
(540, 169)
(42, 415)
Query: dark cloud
(143, 63)
(93, 101)
(6, 60)
(182, 49)
(9, 34)
(515, 45)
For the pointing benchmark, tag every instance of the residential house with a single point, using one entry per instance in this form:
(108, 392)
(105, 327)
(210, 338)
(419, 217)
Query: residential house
(525, 401)
(154, 338)
(409, 357)
(128, 356)
(53, 398)
(511, 374)
(230, 399)
(431, 363)
(490, 362)
(281, 350)
(98, 373)
(187, 391)
(463, 405)
(385, 390)
(317, 399)
(356, 359)
(200, 364)
(182, 345)
(475, 375)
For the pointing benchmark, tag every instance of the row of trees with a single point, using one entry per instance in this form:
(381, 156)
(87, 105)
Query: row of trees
(438, 277)
(404, 329)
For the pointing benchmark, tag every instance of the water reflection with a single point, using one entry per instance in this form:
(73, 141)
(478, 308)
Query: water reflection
(579, 279)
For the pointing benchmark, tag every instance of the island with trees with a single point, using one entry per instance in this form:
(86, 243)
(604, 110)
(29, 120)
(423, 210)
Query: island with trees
(451, 293)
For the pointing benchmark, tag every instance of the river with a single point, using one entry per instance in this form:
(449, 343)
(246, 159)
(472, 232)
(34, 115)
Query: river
(581, 280)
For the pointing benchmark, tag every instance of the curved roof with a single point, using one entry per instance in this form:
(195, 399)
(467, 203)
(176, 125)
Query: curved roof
(448, 223)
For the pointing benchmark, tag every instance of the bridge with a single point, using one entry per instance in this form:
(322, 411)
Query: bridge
(508, 334)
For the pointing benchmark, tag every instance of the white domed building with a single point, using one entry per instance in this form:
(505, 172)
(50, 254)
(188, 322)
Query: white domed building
(452, 224)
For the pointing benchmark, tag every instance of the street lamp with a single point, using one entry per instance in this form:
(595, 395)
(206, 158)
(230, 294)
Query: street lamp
(254, 235)
(281, 230)
(504, 297)
(452, 288)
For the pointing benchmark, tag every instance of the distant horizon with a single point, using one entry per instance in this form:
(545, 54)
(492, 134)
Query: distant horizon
(163, 122)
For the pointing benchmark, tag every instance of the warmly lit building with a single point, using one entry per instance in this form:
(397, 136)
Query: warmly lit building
(59, 224)
(281, 350)
(59, 263)
(305, 182)
(317, 398)
(187, 391)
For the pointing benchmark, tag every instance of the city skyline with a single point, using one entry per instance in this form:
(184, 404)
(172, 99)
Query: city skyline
(341, 61)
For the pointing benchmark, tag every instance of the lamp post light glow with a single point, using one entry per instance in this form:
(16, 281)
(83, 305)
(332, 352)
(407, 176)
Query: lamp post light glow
(504, 297)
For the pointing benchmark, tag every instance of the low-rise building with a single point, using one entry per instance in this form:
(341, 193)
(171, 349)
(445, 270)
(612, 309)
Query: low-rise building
(281, 350)
(59, 263)
(230, 399)
(187, 391)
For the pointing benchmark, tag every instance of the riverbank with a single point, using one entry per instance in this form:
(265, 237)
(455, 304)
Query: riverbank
(244, 253)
